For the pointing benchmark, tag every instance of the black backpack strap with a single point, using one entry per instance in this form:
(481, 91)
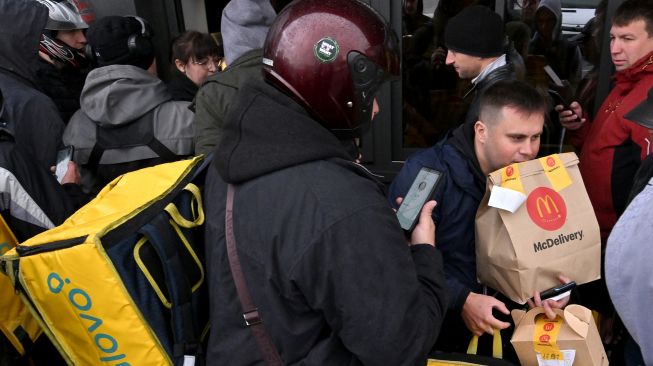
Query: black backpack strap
(133, 134)
(250, 312)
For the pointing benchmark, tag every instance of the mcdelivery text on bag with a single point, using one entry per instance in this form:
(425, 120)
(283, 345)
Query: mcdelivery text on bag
(561, 239)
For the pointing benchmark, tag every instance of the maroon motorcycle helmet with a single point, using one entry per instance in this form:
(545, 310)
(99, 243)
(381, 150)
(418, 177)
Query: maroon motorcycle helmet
(332, 56)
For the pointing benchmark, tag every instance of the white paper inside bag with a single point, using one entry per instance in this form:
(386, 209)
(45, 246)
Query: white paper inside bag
(506, 199)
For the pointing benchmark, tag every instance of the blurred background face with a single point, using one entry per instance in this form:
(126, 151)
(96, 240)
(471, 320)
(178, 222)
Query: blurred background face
(410, 7)
(545, 21)
(198, 70)
(73, 38)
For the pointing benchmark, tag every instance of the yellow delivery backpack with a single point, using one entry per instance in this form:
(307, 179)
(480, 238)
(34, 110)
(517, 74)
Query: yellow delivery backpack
(121, 282)
(16, 322)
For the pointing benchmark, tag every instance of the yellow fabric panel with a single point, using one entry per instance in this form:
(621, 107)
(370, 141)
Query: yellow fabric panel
(91, 314)
(13, 313)
(127, 194)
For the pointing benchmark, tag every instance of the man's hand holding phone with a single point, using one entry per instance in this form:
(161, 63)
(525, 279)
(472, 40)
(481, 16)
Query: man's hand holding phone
(66, 170)
(72, 174)
(569, 115)
(424, 231)
(550, 304)
(416, 208)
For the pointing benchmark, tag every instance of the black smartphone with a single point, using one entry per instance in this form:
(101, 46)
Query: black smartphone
(63, 157)
(557, 290)
(559, 100)
(421, 190)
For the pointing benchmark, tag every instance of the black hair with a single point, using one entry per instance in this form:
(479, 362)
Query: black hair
(513, 94)
(634, 10)
(196, 45)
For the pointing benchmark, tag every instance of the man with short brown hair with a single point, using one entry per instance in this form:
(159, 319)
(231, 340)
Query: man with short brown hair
(507, 131)
(612, 146)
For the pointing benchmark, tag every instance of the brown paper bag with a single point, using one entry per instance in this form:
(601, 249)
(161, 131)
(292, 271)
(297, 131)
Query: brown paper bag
(553, 232)
(575, 331)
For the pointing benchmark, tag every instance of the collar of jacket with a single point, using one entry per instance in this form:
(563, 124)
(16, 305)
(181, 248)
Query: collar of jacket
(505, 72)
(462, 138)
(634, 73)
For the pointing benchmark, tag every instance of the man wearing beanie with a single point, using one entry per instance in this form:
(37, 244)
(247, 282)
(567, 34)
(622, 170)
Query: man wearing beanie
(476, 49)
(127, 119)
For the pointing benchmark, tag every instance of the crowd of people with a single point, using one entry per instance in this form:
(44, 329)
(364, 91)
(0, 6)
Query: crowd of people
(281, 97)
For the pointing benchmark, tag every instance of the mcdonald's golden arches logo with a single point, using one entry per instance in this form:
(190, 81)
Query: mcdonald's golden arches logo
(546, 208)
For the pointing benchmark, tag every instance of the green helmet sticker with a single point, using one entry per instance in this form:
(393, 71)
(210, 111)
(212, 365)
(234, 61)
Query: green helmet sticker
(326, 49)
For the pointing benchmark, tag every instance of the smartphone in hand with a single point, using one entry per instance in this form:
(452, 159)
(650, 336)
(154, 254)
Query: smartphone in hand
(559, 100)
(63, 157)
(557, 290)
(421, 191)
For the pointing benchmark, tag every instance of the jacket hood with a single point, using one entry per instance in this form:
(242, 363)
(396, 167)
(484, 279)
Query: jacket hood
(118, 94)
(556, 8)
(21, 25)
(266, 131)
(244, 26)
(462, 138)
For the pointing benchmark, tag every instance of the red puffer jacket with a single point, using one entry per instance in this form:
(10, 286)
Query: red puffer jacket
(612, 147)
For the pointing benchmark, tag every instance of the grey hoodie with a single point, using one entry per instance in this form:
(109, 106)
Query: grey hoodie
(556, 8)
(628, 270)
(244, 26)
(120, 94)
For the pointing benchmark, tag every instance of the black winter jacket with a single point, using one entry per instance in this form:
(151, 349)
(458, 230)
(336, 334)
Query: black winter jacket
(63, 84)
(323, 254)
(34, 119)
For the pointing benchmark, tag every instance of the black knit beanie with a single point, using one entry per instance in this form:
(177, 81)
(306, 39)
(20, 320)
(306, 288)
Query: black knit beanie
(475, 31)
(109, 36)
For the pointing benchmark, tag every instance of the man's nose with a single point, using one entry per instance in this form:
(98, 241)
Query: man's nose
(450, 58)
(615, 46)
(81, 37)
(528, 149)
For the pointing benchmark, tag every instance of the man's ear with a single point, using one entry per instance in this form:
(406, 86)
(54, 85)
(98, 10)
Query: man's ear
(480, 131)
(180, 66)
